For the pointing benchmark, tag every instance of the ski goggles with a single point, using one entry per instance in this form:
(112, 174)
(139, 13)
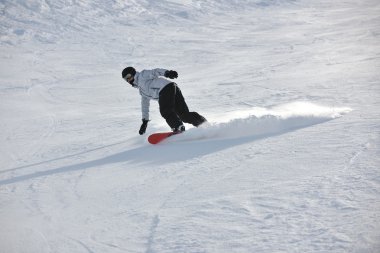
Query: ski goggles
(128, 77)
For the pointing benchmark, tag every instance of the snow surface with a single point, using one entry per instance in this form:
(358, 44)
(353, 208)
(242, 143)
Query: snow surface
(289, 161)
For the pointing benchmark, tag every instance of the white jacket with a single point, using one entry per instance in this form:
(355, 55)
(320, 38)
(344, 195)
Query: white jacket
(149, 83)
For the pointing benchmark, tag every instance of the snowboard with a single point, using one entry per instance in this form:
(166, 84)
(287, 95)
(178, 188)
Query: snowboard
(158, 137)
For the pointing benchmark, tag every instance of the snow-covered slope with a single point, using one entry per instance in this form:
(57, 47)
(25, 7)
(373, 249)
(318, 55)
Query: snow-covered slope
(289, 161)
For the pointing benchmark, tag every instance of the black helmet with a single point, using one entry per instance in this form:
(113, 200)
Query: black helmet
(128, 70)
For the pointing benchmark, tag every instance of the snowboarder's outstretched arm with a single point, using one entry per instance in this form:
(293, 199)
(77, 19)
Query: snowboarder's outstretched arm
(154, 73)
(145, 104)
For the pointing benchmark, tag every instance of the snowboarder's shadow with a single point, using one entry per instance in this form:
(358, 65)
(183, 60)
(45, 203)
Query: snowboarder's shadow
(164, 153)
(157, 155)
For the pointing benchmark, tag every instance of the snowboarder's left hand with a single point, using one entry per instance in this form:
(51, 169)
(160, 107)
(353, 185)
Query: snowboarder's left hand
(171, 74)
(143, 126)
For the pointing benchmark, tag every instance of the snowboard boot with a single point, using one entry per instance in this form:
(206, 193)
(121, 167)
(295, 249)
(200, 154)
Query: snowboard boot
(179, 129)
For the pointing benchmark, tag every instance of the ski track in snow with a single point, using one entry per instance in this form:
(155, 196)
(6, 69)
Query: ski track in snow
(288, 162)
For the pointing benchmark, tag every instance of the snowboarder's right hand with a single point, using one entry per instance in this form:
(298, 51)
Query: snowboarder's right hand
(143, 126)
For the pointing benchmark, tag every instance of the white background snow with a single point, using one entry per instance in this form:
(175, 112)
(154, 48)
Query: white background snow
(288, 163)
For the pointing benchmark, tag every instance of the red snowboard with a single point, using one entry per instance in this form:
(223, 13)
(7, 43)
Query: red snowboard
(158, 137)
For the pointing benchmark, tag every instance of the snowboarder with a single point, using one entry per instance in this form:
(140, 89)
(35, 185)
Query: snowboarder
(173, 107)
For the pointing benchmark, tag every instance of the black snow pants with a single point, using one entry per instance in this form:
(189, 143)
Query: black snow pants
(174, 110)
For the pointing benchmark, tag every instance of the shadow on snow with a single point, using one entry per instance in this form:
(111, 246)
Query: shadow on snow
(194, 143)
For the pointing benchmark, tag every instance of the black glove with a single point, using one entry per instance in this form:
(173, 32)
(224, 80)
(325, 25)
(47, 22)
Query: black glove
(143, 126)
(171, 74)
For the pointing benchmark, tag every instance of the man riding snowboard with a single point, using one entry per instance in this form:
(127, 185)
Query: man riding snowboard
(173, 107)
